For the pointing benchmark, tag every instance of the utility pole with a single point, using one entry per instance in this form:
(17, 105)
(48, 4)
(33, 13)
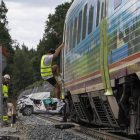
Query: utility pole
(1, 94)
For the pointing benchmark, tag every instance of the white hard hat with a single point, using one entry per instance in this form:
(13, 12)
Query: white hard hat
(7, 76)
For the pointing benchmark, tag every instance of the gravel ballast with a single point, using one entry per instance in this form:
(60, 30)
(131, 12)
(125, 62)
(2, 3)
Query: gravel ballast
(35, 128)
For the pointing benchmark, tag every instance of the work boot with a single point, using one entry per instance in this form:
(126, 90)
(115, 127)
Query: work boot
(61, 81)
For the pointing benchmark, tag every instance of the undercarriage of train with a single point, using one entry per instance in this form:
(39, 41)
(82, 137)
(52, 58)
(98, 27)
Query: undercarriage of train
(120, 111)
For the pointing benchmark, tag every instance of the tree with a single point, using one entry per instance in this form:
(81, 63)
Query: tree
(5, 39)
(22, 71)
(55, 22)
(54, 26)
(24, 64)
(3, 12)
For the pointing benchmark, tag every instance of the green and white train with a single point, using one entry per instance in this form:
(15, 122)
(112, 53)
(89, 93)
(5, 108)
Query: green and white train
(101, 63)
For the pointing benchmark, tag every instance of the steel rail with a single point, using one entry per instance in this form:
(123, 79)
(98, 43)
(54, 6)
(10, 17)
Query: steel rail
(100, 134)
(50, 118)
(96, 133)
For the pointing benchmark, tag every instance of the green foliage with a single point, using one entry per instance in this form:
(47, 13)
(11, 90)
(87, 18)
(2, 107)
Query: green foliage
(5, 40)
(3, 11)
(22, 71)
(55, 22)
(24, 64)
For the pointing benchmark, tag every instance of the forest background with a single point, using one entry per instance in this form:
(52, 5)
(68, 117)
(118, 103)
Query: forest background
(23, 65)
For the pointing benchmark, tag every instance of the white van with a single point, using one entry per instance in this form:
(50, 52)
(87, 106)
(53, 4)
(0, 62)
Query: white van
(38, 103)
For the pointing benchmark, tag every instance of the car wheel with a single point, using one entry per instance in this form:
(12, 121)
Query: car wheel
(27, 111)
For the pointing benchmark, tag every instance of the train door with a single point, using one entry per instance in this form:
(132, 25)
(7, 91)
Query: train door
(104, 49)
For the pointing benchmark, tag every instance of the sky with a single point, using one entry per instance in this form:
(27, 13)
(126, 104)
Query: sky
(27, 19)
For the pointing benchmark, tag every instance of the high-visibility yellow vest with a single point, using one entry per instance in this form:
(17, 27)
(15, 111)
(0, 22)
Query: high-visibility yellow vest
(63, 96)
(45, 70)
(5, 90)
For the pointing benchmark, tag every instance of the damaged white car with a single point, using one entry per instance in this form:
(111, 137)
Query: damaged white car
(38, 103)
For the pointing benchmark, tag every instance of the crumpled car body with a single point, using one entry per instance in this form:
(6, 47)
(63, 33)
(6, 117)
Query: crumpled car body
(38, 103)
(25, 100)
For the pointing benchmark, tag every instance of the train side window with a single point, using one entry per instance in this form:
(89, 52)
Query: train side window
(70, 43)
(117, 3)
(91, 13)
(98, 13)
(104, 9)
(84, 22)
(74, 34)
(79, 27)
(67, 39)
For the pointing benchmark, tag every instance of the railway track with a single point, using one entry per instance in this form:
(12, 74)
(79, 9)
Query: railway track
(90, 133)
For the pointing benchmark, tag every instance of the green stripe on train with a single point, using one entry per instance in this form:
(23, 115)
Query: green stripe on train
(102, 54)
(104, 58)
(109, 89)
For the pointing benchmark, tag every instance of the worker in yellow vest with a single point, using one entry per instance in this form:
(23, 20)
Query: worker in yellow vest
(6, 80)
(47, 71)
